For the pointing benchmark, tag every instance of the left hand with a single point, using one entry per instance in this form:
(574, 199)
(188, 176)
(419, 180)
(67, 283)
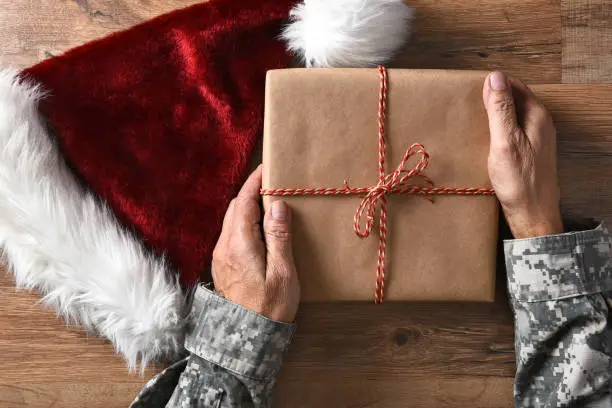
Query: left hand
(261, 277)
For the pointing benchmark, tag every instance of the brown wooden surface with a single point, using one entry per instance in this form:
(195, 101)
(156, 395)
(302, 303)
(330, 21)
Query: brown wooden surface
(35, 30)
(585, 147)
(587, 39)
(521, 37)
(348, 355)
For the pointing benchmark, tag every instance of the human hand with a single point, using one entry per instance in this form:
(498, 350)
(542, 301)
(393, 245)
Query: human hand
(261, 277)
(522, 157)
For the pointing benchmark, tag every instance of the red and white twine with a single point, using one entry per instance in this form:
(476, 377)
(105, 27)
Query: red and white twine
(374, 197)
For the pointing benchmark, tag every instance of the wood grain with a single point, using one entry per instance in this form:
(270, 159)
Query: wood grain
(75, 394)
(36, 30)
(522, 38)
(583, 116)
(430, 392)
(587, 41)
(357, 355)
(34, 340)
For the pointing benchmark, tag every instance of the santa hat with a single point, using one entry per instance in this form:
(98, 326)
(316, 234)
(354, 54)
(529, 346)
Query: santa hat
(119, 158)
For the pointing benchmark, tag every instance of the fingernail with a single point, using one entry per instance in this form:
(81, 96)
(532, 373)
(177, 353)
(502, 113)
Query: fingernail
(279, 211)
(498, 81)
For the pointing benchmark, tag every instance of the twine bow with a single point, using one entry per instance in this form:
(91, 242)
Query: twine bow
(393, 183)
(396, 182)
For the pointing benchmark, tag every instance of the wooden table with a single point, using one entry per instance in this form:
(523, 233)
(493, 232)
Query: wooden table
(349, 355)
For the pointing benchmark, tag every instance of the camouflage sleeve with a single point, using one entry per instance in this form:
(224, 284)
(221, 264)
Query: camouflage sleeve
(561, 293)
(236, 355)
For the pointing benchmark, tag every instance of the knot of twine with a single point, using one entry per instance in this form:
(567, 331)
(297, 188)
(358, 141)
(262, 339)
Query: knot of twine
(395, 182)
(375, 196)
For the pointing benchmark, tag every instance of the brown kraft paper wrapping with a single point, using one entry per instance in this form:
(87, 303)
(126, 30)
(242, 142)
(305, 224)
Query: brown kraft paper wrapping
(321, 128)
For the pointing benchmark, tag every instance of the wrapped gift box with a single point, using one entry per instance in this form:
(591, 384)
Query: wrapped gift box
(321, 128)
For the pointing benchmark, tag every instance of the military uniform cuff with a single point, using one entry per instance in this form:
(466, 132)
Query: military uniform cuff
(559, 266)
(235, 338)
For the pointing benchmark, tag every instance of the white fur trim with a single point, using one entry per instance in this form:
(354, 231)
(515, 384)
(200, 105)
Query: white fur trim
(347, 33)
(61, 241)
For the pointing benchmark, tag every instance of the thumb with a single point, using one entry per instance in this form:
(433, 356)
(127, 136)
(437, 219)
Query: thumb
(277, 231)
(501, 109)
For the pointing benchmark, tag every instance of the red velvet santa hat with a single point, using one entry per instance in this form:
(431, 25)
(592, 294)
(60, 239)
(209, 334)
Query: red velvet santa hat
(118, 158)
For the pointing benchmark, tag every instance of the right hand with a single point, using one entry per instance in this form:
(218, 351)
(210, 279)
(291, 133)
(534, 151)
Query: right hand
(258, 275)
(522, 157)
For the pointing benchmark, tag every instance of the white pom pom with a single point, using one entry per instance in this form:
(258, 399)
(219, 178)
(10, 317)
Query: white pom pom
(347, 33)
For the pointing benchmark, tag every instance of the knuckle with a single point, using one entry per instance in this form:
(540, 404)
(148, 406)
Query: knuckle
(541, 115)
(505, 160)
(282, 270)
(278, 234)
(505, 104)
(499, 151)
(503, 148)
(217, 254)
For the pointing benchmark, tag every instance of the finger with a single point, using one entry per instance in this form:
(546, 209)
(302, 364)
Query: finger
(523, 92)
(277, 230)
(227, 220)
(247, 212)
(518, 84)
(501, 110)
(251, 187)
(226, 228)
(526, 103)
(533, 114)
